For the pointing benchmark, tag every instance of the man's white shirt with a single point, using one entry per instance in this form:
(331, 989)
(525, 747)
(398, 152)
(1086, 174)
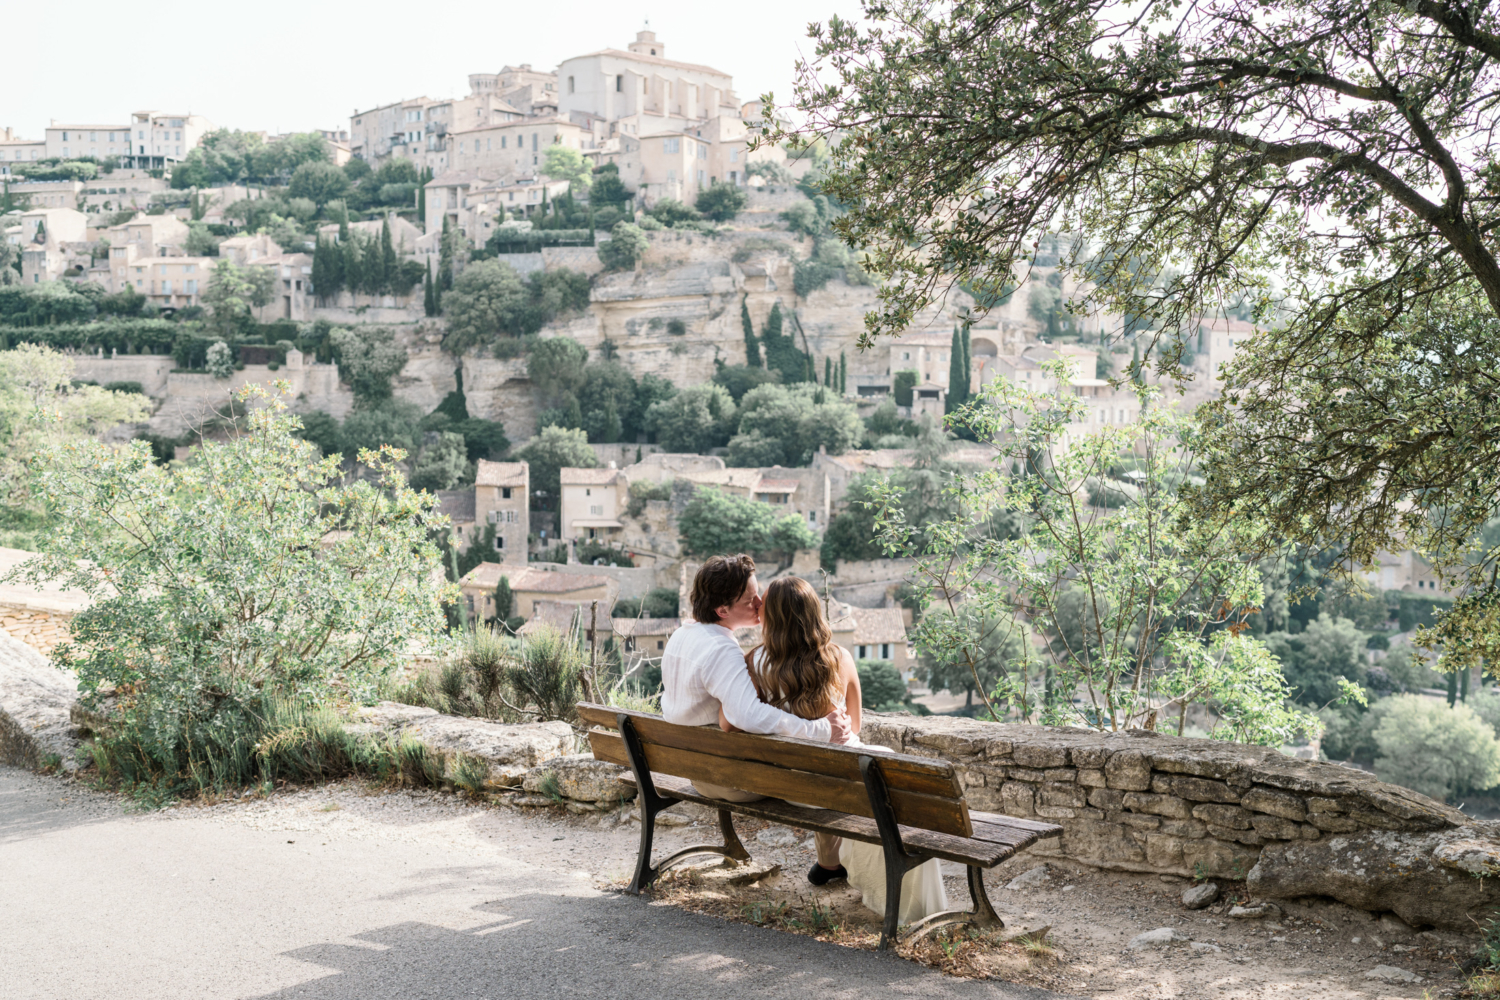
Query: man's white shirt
(703, 668)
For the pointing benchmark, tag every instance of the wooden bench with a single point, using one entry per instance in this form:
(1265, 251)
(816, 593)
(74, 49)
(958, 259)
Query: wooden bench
(912, 806)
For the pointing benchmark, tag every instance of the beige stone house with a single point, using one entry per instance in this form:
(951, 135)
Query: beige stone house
(501, 498)
(592, 502)
(643, 638)
(531, 584)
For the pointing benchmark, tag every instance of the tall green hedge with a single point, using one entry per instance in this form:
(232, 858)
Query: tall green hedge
(128, 336)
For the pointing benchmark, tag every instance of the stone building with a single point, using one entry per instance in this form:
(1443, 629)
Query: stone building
(592, 502)
(533, 584)
(501, 498)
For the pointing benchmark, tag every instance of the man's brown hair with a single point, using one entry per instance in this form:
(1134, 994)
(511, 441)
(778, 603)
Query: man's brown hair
(721, 581)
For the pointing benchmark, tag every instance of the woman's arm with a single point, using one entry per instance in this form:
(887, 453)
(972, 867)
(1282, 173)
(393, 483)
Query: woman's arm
(725, 724)
(852, 694)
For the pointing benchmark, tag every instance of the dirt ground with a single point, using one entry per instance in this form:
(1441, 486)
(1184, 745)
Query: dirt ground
(1315, 949)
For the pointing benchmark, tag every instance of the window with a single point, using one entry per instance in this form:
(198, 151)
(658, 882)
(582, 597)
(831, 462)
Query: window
(191, 286)
(671, 176)
(702, 151)
(734, 156)
(533, 142)
(660, 643)
(905, 355)
(505, 493)
(166, 288)
(671, 145)
(620, 84)
(570, 85)
(596, 510)
(65, 137)
(885, 651)
(863, 652)
(499, 541)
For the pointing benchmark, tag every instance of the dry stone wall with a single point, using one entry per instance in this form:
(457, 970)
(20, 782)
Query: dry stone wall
(1144, 801)
(43, 631)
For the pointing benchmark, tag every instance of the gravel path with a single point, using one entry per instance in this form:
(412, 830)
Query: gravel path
(335, 892)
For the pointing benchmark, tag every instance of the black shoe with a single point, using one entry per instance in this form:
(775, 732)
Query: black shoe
(818, 875)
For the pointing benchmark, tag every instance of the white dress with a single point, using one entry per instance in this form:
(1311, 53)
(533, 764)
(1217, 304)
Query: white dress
(922, 892)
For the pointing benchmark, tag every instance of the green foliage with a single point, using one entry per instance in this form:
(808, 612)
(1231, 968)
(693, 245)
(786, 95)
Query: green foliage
(1436, 750)
(781, 352)
(627, 244)
(368, 358)
(233, 292)
(881, 687)
(564, 163)
(642, 491)
(556, 369)
(904, 386)
(392, 424)
(740, 379)
(715, 523)
(659, 602)
(753, 358)
(598, 553)
(442, 464)
(322, 430)
(219, 360)
(1315, 659)
(884, 421)
(548, 676)
(249, 574)
(553, 449)
(694, 420)
(489, 301)
(607, 189)
(670, 212)
(721, 202)
(232, 157)
(55, 169)
(803, 218)
(1122, 641)
(790, 423)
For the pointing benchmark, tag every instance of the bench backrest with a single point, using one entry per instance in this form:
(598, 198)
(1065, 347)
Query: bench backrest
(923, 793)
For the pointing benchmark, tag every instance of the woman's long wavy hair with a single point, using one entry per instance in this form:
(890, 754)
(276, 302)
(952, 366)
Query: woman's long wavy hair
(801, 663)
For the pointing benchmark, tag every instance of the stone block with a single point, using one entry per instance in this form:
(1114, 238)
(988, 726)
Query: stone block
(1100, 842)
(1055, 812)
(951, 743)
(1042, 756)
(1274, 803)
(1128, 770)
(1156, 805)
(1194, 789)
(1026, 774)
(1068, 774)
(581, 778)
(998, 750)
(1332, 823)
(1018, 799)
(1092, 777)
(1308, 832)
(1191, 829)
(1164, 851)
(1318, 804)
(1063, 794)
(985, 799)
(1139, 822)
(1222, 814)
(1090, 813)
(1212, 858)
(1106, 798)
(1378, 820)
(1238, 836)
(1090, 757)
(1275, 828)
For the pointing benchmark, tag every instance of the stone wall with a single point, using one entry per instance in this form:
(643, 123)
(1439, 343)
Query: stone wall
(1143, 801)
(41, 630)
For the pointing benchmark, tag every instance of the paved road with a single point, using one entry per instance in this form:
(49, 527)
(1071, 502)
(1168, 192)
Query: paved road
(98, 902)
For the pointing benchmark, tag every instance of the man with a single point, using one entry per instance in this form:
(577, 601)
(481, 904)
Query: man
(703, 668)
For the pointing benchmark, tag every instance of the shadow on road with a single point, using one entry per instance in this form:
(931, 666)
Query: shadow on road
(569, 946)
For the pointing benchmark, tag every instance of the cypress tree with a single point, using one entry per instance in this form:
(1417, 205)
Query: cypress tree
(388, 262)
(828, 371)
(445, 259)
(968, 364)
(343, 222)
(1135, 365)
(956, 383)
(319, 268)
(350, 255)
(844, 372)
(752, 346)
(428, 305)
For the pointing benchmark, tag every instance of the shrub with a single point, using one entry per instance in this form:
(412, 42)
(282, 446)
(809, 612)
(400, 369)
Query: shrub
(903, 387)
(262, 577)
(670, 211)
(881, 686)
(627, 244)
(599, 554)
(721, 202)
(547, 678)
(1436, 750)
(643, 491)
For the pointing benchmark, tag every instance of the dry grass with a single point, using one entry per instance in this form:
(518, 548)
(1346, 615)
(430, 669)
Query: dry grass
(1482, 984)
(960, 952)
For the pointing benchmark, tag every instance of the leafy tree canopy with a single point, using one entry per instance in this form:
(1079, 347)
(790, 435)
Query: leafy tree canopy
(694, 420)
(564, 163)
(553, 449)
(368, 358)
(1319, 166)
(802, 418)
(721, 202)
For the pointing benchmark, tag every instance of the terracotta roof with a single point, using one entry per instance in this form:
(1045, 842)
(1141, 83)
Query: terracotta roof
(457, 504)
(487, 574)
(740, 478)
(588, 477)
(501, 473)
(646, 626)
(875, 625)
(541, 581)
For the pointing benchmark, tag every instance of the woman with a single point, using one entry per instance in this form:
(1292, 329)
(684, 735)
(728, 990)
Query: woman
(799, 669)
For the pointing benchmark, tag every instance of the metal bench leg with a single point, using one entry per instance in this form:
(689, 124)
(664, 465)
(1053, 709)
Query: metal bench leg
(653, 803)
(982, 916)
(898, 861)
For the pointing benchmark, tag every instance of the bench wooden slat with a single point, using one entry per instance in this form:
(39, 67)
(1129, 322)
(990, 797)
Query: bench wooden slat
(901, 771)
(932, 812)
(1000, 819)
(960, 850)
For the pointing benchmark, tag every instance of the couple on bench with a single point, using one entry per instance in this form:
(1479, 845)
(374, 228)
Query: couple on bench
(796, 683)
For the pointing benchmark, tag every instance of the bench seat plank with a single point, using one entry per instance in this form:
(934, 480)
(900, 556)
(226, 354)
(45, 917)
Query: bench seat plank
(943, 815)
(986, 851)
(904, 771)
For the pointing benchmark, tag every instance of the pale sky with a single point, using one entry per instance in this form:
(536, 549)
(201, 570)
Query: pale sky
(282, 66)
